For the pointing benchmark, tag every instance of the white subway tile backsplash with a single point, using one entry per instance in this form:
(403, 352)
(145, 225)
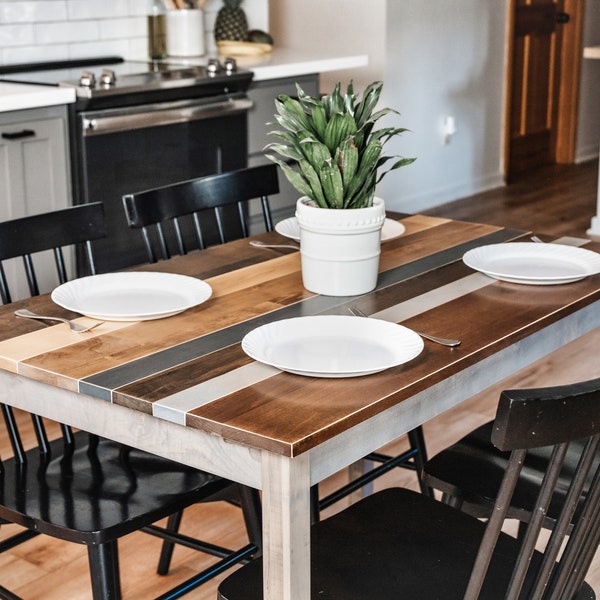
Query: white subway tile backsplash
(28, 54)
(125, 28)
(17, 35)
(104, 48)
(69, 31)
(30, 12)
(94, 9)
(34, 30)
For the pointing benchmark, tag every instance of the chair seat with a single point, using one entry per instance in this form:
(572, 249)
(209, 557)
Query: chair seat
(395, 544)
(98, 492)
(472, 469)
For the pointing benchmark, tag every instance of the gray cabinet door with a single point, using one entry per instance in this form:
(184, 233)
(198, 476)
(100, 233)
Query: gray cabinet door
(34, 176)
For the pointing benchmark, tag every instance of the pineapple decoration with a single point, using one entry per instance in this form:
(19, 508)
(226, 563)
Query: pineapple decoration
(231, 23)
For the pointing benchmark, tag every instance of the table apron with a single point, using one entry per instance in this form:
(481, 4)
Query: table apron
(185, 445)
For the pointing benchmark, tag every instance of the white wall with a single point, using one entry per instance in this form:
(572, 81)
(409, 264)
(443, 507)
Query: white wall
(338, 27)
(588, 131)
(44, 30)
(444, 62)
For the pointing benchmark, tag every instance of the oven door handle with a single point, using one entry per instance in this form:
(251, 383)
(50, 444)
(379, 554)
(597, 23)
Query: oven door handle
(145, 118)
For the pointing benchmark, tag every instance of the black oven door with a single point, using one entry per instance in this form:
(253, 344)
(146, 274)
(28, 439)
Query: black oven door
(121, 151)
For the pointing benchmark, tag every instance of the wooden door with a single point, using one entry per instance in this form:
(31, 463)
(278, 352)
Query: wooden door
(544, 77)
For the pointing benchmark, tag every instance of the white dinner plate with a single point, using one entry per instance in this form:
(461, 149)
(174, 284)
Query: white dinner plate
(289, 228)
(136, 296)
(534, 263)
(332, 346)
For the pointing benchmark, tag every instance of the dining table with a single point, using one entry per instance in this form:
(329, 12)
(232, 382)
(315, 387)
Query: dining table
(183, 387)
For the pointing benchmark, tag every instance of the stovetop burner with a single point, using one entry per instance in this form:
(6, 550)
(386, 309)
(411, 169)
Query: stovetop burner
(111, 76)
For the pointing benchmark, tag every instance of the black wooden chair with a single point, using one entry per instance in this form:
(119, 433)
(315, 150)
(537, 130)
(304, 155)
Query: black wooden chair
(85, 489)
(49, 231)
(200, 212)
(469, 474)
(401, 544)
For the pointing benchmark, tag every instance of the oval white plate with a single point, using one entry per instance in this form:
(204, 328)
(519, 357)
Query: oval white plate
(533, 264)
(289, 228)
(135, 296)
(332, 346)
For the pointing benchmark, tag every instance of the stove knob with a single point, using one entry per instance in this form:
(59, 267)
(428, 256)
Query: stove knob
(108, 77)
(230, 65)
(213, 66)
(87, 79)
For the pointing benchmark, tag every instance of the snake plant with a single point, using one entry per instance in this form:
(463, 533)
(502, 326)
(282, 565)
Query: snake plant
(329, 149)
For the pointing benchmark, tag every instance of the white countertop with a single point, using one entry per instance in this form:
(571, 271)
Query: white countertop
(278, 64)
(17, 96)
(283, 62)
(289, 63)
(591, 52)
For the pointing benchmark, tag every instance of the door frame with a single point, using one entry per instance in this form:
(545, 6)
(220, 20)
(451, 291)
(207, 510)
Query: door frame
(570, 74)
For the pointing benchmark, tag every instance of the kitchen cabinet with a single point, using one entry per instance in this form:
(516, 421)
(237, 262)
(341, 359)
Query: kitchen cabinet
(263, 95)
(34, 172)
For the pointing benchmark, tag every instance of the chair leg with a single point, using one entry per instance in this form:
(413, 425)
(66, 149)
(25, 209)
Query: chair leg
(315, 512)
(164, 562)
(417, 441)
(252, 511)
(104, 571)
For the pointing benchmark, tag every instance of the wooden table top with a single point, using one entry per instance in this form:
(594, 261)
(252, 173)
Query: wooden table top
(190, 368)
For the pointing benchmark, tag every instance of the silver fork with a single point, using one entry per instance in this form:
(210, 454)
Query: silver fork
(432, 338)
(74, 326)
(259, 244)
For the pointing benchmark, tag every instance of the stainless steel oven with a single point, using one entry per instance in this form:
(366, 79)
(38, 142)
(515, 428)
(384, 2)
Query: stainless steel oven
(136, 126)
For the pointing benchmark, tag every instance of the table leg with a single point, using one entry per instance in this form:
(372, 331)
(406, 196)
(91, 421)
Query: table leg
(286, 527)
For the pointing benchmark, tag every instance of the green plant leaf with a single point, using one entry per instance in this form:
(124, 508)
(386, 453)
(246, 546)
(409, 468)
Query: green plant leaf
(315, 152)
(339, 128)
(403, 162)
(347, 159)
(319, 120)
(370, 99)
(294, 177)
(311, 175)
(284, 150)
(333, 188)
(291, 114)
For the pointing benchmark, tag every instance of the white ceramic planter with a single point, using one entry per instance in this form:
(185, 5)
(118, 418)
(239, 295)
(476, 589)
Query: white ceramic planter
(340, 248)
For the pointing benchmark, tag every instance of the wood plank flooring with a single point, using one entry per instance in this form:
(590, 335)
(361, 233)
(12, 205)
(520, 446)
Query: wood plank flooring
(559, 200)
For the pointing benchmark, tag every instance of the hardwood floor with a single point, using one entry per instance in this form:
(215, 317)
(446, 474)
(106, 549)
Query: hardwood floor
(560, 200)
